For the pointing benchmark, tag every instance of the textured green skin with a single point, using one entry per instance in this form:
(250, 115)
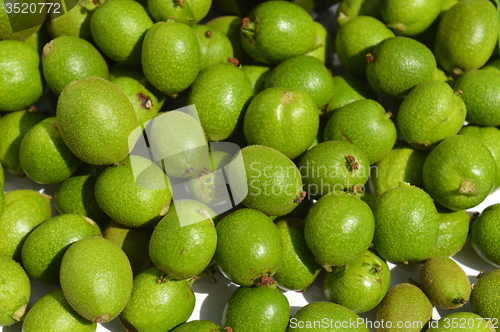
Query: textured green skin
(325, 45)
(339, 229)
(288, 126)
(350, 9)
(256, 308)
(493, 65)
(133, 241)
(257, 75)
(484, 235)
(170, 57)
(325, 167)
(409, 17)
(118, 28)
(38, 39)
(480, 93)
(102, 136)
(76, 195)
(19, 20)
(182, 249)
(199, 8)
(445, 283)
(359, 286)
(430, 113)
(463, 320)
(490, 137)
(24, 211)
(248, 246)
(43, 155)
(347, 89)
(2, 177)
(15, 290)
(266, 43)
(2, 198)
(365, 124)
(404, 303)
(199, 326)
(467, 36)
(299, 269)
(352, 43)
(275, 193)
(454, 160)
(21, 82)
(52, 313)
(221, 94)
(76, 22)
(137, 93)
(179, 139)
(44, 248)
(215, 46)
(121, 70)
(441, 76)
(231, 25)
(13, 128)
(453, 232)
(303, 73)
(402, 164)
(153, 295)
(67, 59)
(163, 10)
(485, 296)
(400, 64)
(121, 197)
(317, 311)
(406, 225)
(96, 279)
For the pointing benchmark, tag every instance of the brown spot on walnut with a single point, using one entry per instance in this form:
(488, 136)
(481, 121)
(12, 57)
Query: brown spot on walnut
(300, 198)
(244, 22)
(234, 61)
(208, 33)
(369, 58)
(32, 108)
(266, 281)
(228, 329)
(353, 162)
(145, 101)
(179, 2)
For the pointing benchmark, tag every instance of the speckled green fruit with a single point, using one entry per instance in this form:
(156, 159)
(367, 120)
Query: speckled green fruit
(199, 326)
(215, 46)
(133, 241)
(430, 113)
(453, 232)
(484, 234)
(43, 155)
(399, 64)
(13, 128)
(170, 57)
(76, 22)
(485, 296)
(257, 74)
(324, 45)
(152, 296)
(67, 59)
(441, 76)
(2, 177)
(44, 248)
(285, 119)
(16, 25)
(248, 247)
(121, 70)
(404, 303)
(367, 125)
(299, 269)
(221, 94)
(118, 28)
(350, 9)
(304, 319)
(89, 137)
(269, 45)
(333, 166)
(303, 73)
(480, 93)
(445, 283)
(147, 101)
(21, 80)
(409, 18)
(406, 224)
(352, 43)
(359, 286)
(472, 322)
(252, 308)
(185, 11)
(52, 313)
(275, 192)
(96, 279)
(339, 229)
(2, 198)
(467, 35)
(459, 173)
(24, 211)
(347, 89)
(493, 65)
(230, 26)
(15, 291)
(490, 137)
